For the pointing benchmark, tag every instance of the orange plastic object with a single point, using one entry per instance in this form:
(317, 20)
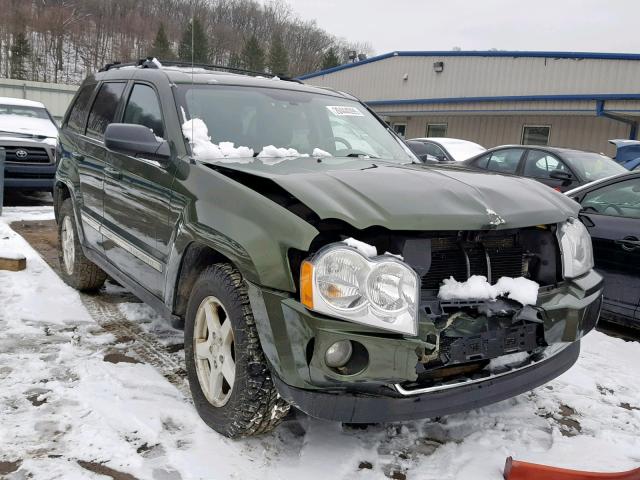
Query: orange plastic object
(306, 284)
(515, 470)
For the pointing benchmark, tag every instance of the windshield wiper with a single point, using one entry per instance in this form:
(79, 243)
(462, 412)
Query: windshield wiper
(361, 155)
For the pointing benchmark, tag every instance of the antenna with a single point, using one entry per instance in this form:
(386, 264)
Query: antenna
(192, 67)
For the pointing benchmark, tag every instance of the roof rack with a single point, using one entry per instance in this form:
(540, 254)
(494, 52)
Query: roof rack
(150, 63)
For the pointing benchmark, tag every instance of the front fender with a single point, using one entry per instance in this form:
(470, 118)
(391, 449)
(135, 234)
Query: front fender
(249, 229)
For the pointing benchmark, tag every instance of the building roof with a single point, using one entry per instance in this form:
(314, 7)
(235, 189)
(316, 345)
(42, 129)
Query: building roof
(479, 53)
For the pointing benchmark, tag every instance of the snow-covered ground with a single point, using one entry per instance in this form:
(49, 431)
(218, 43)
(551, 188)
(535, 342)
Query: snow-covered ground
(67, 411)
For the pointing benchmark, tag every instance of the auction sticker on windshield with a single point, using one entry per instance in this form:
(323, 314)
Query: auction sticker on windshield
(343, 111)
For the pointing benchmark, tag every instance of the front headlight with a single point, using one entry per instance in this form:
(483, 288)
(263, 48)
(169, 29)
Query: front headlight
(575, 245)
(381, 292)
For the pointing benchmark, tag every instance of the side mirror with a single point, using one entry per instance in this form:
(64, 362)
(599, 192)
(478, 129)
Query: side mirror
(135, 140)
(566, 177)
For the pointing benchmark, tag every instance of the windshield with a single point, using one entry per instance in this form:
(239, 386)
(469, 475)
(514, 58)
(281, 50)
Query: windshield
(295, 123)
(24, 111)
(593, 166)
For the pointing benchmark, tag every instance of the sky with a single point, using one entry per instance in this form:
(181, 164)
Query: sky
(550, 25)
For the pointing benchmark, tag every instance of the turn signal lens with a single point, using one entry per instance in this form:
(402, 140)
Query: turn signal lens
(306, 284)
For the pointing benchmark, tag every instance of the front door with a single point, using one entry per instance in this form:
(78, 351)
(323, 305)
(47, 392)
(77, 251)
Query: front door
(539, 165)
(137, 196)
(612, 216)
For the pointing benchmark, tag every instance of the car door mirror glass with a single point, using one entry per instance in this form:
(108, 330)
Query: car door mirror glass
(136, 140)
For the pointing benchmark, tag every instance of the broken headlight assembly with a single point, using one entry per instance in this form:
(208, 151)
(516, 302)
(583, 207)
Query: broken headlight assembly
(575, 245)
(382, 292)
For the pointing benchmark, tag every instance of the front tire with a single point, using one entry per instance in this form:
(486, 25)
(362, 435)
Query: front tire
(228, 374)
(76, 269)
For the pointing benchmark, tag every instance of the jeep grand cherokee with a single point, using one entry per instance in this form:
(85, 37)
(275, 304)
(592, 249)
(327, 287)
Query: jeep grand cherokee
(314, 262)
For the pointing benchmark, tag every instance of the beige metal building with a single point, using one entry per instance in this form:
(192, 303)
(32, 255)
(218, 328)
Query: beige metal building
(56, 97)
(578, 100)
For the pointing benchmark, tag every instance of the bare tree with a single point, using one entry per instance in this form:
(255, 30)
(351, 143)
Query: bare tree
(70, 38)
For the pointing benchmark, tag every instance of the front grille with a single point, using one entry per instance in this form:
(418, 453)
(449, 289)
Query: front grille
(29, 175)
(494, 257)
(33, 155)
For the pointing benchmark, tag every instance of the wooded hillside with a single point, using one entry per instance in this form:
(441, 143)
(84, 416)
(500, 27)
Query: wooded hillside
(63, 40)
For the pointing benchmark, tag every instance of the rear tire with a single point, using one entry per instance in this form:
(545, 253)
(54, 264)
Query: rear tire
(76, 269)
(228, 373)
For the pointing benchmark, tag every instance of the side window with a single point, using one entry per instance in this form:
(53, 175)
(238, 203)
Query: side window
(505, 161)
(482, 161)
(621, 199)
(434, 150)
(143, 108)
(104, 108)
(78, 113)
(540, 164)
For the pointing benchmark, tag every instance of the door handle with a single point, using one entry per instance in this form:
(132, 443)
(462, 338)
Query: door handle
(113, 173)
(77, 156)
(629, 243)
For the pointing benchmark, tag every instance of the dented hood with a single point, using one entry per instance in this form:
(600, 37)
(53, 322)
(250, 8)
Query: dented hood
(365, 193)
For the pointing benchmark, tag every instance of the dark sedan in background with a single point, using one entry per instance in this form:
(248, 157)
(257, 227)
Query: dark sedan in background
(611, 213)
(561, 168)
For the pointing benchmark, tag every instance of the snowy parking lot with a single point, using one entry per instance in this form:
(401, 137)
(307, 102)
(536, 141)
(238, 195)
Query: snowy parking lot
(94, 387)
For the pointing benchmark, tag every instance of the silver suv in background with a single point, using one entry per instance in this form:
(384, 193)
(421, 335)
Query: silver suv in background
(29, 136)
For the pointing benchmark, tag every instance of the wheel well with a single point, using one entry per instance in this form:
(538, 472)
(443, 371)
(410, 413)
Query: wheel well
(60, 194)
(195, 259)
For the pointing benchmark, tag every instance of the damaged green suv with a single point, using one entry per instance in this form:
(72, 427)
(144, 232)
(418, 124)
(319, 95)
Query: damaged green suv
(314, 261)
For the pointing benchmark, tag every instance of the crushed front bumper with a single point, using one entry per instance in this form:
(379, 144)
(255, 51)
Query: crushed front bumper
(362, 408)
(294, 341)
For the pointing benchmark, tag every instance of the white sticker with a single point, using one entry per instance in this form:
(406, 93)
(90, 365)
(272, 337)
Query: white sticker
(342, 111)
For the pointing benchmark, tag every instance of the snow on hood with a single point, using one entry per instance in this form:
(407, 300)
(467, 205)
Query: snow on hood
(368, 192)
(197, 133)
(203, 148)
(28, 126)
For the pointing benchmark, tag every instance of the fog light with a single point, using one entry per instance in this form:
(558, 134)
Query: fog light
(338, 354)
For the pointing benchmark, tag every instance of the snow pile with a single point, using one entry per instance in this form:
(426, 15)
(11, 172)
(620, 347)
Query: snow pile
(519, 289)
(318, 152)
(195, 130)
(364, 248)
(271, 151)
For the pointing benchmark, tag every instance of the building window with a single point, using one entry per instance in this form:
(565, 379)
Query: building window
(536, 134)
(436, 130)
(400, 129)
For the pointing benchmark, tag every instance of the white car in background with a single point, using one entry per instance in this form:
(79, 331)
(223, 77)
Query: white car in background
(29, 136)
(445, 149)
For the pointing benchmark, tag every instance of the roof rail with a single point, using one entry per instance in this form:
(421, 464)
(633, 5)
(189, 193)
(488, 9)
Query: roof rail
(215, 67)
(142, 63)
(150, 63)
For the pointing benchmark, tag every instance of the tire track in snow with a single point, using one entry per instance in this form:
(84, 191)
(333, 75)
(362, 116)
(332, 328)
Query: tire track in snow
(103, 308)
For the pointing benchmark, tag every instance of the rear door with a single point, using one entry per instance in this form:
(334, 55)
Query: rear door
(539, 164)
(95, 107)
(137, 195)
(611, 213)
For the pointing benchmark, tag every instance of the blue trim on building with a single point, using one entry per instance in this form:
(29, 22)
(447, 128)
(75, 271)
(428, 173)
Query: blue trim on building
(479, 53)
(511, 98)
